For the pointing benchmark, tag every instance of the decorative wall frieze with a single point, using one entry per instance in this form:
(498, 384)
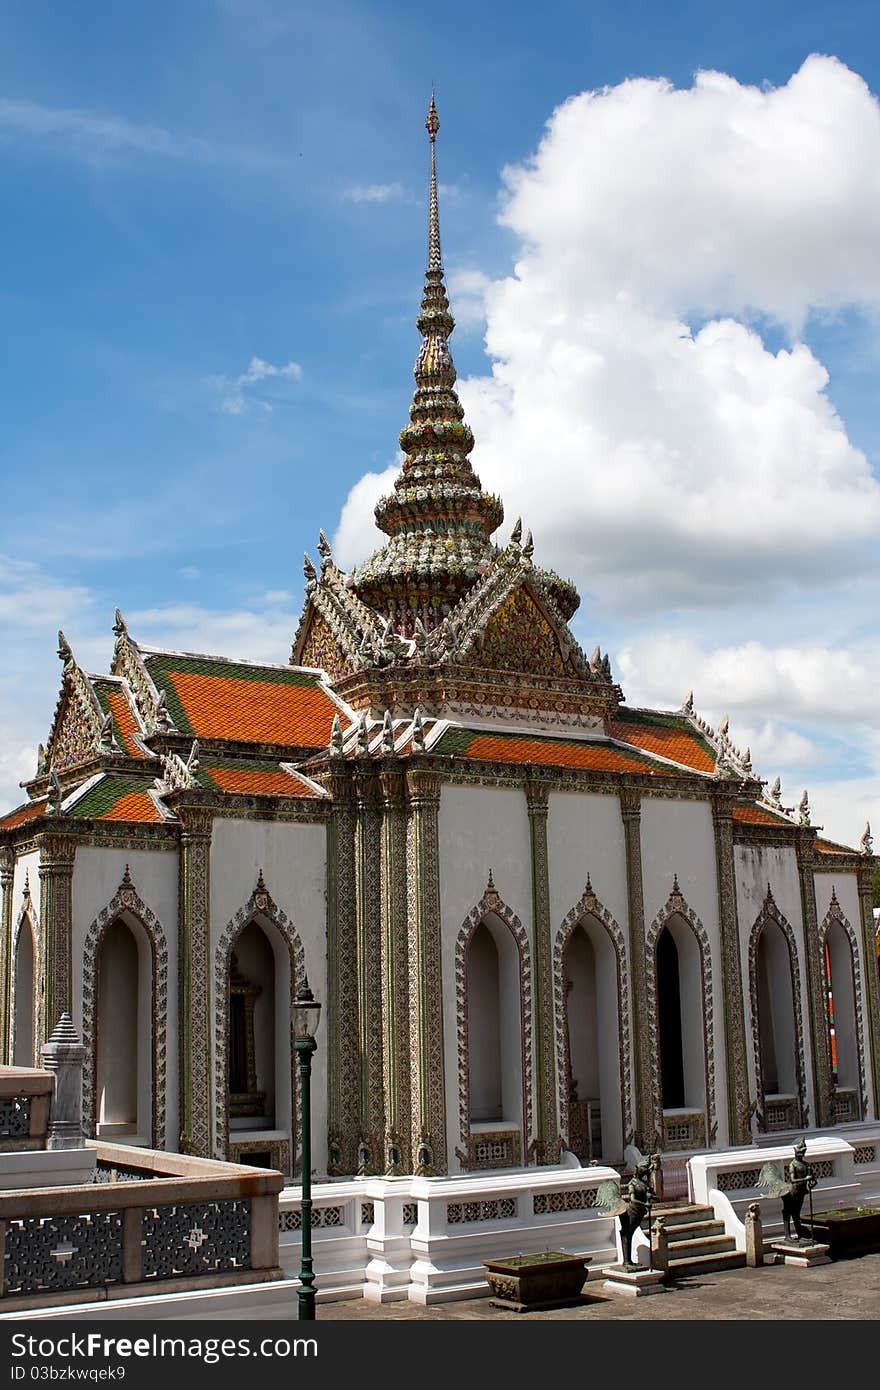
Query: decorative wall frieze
(425, 969)
(546, 1142)
(589, 905)
(7, 878)
(395, 1056)
(343, 1059)
(491, 903)
(872, 977)
(195, 1028)
(126, 903)
(771, 913)
(260, 905)
(677, 906)
(57, 852)
(739, 1103)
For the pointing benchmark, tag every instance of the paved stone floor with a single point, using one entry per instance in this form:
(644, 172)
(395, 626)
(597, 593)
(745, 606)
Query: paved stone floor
(848, 1289)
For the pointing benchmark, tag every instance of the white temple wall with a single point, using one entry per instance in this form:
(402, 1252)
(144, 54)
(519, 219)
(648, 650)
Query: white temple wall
(293, 858)
(756, 867)
(479, 828)
(97, 875)
(585, 836)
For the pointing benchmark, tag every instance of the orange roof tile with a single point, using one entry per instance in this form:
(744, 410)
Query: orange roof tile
(124, 720)
(555, 753)
(254, 711)
(133, 806)
(756, 815)
(22, 814)
(259, 782)
(827, 848)
(668, 741)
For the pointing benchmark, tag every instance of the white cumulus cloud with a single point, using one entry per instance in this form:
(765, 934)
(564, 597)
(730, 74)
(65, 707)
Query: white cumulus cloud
(237, 393)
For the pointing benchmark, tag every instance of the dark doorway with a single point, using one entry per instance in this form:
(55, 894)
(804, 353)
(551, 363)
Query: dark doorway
(669, 1009)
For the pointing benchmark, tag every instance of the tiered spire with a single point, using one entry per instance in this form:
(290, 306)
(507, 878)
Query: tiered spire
(438, 518)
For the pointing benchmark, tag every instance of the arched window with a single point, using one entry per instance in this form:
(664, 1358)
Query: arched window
(776, 1019)
(23, 1023)
(843, 1027)
(590, 970)
(259, 1060)
(493, 988)
(124, 1050)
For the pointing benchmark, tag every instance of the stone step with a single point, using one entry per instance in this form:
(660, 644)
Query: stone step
(711, 1245)
(679, 1216)
(694, 1230)
(704, 1264)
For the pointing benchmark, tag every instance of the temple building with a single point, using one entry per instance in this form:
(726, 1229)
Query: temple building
(538, 919)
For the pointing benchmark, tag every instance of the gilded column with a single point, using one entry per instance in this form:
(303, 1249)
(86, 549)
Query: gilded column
(194, 974)
(646, 1105)
(368, 860)
(738, 1102)
(57, 852)
(546, 1128)
(7, 871)
(872, 981)
(428, 1119)
(343, 1063)
(820, 1042)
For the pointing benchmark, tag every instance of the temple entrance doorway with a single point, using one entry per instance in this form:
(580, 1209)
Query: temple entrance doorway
(681, 1037)
(124, 1051)
(23, 1023)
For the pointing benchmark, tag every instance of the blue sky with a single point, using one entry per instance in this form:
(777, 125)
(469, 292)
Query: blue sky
(213, 237)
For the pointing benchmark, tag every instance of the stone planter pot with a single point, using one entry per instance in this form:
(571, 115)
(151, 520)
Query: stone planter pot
(549, 1280)
(850, 1231)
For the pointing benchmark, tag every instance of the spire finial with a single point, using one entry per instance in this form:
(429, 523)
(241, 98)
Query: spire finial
(435, 260)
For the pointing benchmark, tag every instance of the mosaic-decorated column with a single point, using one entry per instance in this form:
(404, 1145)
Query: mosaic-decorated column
(57, 852)
(368, 867)
(195, 997)
(872, 982)
(7, 870)
(343, 1062)
(546, 1126)
(738, 1102)
(396, 1061)
(631, 815)
(428, 1091)
(819, 1040)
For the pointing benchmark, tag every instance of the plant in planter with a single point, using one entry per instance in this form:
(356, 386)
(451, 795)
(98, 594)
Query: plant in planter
(552, 1279)
(848, 1230)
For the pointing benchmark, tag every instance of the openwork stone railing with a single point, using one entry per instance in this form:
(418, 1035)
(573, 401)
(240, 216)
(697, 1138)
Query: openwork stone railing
(25, 1095)
(164, 1219)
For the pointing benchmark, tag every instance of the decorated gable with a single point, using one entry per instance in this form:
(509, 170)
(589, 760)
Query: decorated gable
(520, 637)
(320, 649)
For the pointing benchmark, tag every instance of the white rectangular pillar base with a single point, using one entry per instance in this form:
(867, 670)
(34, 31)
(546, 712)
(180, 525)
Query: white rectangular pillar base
(633, 1283)
(804, 1256)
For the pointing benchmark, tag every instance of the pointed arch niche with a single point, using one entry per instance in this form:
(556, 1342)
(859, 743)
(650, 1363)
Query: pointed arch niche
(682, 1028)
(844, 1014)
(258, 967)
(777, 1021)
(493, 978)
(125, 998)
(591, 989)
(25, 1023)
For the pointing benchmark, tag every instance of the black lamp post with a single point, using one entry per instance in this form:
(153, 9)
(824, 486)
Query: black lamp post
(306, 1014)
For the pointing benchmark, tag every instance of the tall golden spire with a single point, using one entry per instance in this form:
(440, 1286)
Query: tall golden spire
(438, 518)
